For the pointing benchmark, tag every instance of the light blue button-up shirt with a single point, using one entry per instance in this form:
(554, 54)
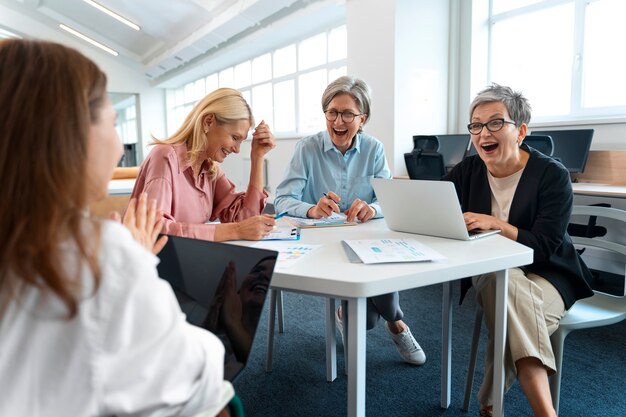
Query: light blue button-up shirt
(318, 167)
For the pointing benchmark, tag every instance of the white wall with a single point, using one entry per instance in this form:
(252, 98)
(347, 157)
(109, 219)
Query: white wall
(400, 48)
(123, 75)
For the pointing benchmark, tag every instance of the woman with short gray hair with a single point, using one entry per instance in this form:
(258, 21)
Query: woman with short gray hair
(331, 172)
(528, 196)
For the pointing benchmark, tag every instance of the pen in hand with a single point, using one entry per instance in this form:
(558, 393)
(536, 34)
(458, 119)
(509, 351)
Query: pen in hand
(329, 197)
(334, 207)
(278, 216)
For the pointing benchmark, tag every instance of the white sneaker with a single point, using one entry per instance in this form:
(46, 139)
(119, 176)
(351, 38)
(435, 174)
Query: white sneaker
(407, 346)
(339, 325)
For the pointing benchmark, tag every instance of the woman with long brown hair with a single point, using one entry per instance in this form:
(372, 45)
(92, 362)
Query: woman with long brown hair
(86, 326)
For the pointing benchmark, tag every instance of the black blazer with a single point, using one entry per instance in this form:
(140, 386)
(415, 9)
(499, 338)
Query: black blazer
(541, 209)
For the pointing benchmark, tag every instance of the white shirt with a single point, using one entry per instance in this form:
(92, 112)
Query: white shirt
(128, 351)
(502, 193)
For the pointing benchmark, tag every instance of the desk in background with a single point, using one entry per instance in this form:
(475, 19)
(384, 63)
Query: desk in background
(603, 181)
(121, 187)
(599, 190)
(123, 180)
(604, 175)
(338, 278)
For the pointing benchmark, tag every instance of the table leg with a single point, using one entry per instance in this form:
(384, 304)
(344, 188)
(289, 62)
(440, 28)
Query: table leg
(356, 356)
(499, 341)
(446, 348)
(270, 331)
(331, 341)
(344, 319)
(279, 306)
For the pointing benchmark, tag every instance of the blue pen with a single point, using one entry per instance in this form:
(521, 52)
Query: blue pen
(284, 213)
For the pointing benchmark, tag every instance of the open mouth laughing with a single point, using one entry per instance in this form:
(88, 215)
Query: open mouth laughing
(489, 147)
(340, 132)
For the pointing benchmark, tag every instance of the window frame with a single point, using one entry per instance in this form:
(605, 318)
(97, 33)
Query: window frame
(578, 114)
(335, 66)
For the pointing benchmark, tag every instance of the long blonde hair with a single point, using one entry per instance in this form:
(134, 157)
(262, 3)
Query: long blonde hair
(50, 95)
(228, 106)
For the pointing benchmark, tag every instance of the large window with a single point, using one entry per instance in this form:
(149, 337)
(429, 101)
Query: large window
(284, 87)
(565, 55)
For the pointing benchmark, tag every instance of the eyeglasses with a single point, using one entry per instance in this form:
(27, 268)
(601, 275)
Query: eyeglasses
(492, 126)
(346, 116)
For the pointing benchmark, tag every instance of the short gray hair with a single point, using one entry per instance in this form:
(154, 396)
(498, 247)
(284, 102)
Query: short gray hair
(516, 104)
(356, 87)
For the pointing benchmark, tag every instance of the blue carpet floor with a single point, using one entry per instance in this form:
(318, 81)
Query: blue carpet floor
(594, 376)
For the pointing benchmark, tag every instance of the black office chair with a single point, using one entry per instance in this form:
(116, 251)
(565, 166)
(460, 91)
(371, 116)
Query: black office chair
(424, 165)
(542, 143)
(425, 143)
(424, 162)
(589, 230)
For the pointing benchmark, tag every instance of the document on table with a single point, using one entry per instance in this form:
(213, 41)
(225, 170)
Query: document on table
(288, 252)
(283, 232)
(335, 219)
(376, 251)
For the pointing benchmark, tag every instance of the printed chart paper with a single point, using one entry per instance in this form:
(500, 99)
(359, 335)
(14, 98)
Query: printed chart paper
(376, 251)
(288, 252)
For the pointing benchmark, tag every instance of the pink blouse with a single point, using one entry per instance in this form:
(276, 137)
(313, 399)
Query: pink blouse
(187, 202)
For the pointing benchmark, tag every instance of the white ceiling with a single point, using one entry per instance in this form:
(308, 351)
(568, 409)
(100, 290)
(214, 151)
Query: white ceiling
(174, 33)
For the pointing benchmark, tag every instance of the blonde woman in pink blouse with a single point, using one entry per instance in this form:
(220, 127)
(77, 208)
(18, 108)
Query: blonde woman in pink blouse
(183, 175)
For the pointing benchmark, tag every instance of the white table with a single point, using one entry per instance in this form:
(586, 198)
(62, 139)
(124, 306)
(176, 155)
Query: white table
(327, 272)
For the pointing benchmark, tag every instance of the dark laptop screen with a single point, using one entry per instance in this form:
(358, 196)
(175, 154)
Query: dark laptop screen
(222, 288)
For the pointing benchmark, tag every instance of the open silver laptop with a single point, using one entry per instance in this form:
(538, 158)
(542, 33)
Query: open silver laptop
(424, 207)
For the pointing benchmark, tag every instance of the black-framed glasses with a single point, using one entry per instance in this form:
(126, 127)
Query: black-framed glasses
(346, 116)
(492, 125)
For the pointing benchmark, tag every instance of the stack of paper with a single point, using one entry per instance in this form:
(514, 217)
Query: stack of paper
(375, 251)
(335, 219)
(283, 232)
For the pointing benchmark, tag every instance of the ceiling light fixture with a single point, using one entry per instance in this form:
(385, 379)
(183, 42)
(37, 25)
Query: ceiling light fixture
(6, 34)
(88, 39)
(112, 14)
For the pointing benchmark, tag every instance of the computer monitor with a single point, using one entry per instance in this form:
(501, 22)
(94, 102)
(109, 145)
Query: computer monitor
(453, 148)
(571, 147)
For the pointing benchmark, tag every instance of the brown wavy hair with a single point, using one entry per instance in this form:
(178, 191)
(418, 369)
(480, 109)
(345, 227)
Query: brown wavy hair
(49, 97)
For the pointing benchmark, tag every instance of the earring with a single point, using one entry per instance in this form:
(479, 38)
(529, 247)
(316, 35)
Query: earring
(206, 131)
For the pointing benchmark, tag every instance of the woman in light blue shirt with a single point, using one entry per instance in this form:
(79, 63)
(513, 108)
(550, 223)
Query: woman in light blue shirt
(331, 171)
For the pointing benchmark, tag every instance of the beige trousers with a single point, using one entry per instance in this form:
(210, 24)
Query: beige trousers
(534, 308)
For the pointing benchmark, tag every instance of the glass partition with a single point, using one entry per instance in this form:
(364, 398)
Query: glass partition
(127, 125)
